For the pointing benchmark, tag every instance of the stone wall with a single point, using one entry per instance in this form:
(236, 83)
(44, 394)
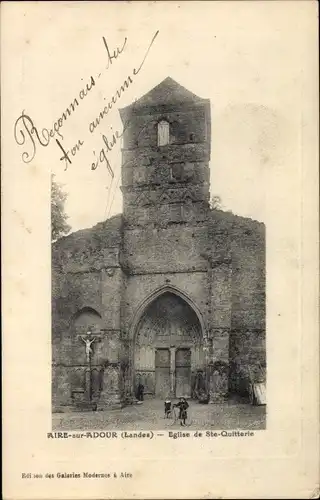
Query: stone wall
(177, 248)
(187, 124)
(86, 291)
(168, 183)
(218, 266)
(247, 341)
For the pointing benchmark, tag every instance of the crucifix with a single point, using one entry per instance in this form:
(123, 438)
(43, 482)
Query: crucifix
(88, 338)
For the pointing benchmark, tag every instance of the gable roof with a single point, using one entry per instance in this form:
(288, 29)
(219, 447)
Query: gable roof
(166, 92)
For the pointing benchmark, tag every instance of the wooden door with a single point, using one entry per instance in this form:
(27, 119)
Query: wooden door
(183, 373)
(162, 366)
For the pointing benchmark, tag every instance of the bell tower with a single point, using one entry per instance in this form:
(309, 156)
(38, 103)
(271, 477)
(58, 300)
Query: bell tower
(165, 157)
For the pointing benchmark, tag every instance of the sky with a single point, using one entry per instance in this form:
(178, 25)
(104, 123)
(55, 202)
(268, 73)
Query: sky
(251, 76)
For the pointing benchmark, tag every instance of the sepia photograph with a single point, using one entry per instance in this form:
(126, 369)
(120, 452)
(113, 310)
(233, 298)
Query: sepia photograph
(158, 313)
(160, 253)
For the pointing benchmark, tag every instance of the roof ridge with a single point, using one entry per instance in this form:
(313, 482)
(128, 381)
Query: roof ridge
(87, 230)
(167, 91)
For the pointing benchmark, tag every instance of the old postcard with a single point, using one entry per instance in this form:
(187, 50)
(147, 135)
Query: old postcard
(160, 250)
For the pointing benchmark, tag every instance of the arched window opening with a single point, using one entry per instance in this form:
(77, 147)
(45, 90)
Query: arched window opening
(87, 319)
(163, 133)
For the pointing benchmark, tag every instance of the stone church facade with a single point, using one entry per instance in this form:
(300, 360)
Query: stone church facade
(172, 291)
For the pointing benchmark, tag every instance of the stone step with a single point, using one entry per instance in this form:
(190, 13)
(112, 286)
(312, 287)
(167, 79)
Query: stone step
(85, 406)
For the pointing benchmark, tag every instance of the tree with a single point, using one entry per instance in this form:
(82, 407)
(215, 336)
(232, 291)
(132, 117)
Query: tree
(215, 203)
(59, 225)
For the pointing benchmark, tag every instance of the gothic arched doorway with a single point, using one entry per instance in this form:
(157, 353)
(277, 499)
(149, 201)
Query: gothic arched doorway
(168, 350)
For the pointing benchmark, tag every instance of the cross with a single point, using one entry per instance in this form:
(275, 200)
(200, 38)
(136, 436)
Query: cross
(88, 338)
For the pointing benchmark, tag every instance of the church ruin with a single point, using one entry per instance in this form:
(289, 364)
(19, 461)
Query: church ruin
(171, 292)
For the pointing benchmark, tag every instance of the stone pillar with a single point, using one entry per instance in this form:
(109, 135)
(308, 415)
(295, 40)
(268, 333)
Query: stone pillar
(220, 276)
(61, 388)
(219, 365)
(172, 371)
(110, 395)
(126, 386)
(108, 354)
(131, 369)
(87, 391)
(207, 348)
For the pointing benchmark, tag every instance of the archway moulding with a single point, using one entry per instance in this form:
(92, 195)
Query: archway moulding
(82, 310)
(142, 307)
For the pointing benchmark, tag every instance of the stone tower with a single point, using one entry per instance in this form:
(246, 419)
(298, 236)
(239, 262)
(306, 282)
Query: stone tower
(165, 161)
(165, 184)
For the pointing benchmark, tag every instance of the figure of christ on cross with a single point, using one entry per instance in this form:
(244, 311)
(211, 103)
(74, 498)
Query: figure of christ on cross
(89, 338)
(88, 343)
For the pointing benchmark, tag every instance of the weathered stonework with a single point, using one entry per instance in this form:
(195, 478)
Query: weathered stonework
(175, 290)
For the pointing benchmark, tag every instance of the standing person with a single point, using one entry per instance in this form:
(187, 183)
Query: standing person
(140, 391)
(167, 408)
(183, 413)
